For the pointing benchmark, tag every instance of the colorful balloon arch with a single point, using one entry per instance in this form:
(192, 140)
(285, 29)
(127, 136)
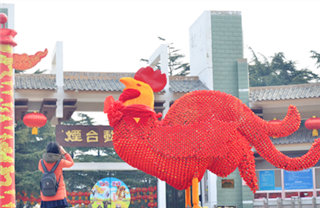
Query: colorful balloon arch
(8, 62)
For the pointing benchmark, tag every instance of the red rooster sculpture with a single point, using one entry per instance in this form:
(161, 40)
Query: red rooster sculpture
(202, 130)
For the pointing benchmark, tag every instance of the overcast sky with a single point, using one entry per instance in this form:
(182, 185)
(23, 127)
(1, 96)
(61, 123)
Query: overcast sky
(112, 36)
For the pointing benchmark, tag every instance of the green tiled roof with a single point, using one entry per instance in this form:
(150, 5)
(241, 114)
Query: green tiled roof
(284, 92)
(94, 81)
(303, 135)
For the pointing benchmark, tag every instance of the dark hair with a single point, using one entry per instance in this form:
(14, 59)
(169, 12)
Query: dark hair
(53, 147)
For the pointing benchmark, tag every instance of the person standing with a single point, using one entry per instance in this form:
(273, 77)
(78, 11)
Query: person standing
(55, 154)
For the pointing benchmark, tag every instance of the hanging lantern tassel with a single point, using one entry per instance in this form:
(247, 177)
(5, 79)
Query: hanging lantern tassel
(35, 120)
(315, 132)
(34, 131)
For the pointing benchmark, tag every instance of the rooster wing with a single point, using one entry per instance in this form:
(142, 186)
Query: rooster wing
(201, 140)
(200, 106)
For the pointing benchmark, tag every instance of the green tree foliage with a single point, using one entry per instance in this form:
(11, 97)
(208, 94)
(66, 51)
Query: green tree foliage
(176, 66)
(278, 71)
(38, 71)
(28, 151)
(316, 56)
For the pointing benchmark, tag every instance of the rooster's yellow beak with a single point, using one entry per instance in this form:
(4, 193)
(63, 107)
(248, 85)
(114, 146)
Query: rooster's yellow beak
(128, 82)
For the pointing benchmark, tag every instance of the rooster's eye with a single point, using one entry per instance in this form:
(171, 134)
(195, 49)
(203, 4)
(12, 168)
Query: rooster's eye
(139, 85)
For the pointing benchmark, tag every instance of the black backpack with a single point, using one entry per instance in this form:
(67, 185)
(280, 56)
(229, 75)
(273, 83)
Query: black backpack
(48, 183)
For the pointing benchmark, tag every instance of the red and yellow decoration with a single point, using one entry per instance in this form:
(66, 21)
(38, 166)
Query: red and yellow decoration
(275, 121)
(35, 120)
(7, 64)
(24, 61)
(313, 124)
(214, 131)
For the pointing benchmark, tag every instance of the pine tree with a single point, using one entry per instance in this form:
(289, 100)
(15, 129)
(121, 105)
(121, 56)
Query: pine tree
(279, 71)
(28, 151)
(176, 66)
(315, 55)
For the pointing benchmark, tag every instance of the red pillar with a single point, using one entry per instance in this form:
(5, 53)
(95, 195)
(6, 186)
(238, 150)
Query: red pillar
(7, 180)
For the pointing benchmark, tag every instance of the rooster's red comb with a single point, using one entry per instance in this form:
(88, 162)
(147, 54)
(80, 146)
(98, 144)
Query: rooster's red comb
(155, 79)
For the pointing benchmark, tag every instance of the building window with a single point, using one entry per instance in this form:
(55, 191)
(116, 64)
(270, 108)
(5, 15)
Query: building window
(269, 180)
(260, 195)
(291, 194)
(295, 183)
(206, 187)
(274, 195)
(298, 180)
(227, 183)
(306, 194)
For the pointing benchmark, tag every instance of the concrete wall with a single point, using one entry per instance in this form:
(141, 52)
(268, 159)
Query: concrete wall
(227, 48)
(201, 49)
(243, 81)
(230, 196)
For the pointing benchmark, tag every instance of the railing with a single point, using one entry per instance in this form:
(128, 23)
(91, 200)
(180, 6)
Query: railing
(294, 202)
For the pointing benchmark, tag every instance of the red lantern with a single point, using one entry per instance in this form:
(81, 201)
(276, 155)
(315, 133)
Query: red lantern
(80, 194)
(18, 197)
(35, 120)
(138, 189)
(150, 189)
(32, 199)
(132, 191)
(73, 202)
(145, 197)
(80, 201)
(86, 195)
(275, 122)
(133, 199)
(138, 197)
(73, 194)
(313, 124)
(86, 202)
(144, 191)
(150, 197)
(155, 204)
(38, 200)
(150, 204)
(24, 199)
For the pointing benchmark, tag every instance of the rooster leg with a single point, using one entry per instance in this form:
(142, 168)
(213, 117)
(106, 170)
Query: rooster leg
(188, 198)
(195, 194)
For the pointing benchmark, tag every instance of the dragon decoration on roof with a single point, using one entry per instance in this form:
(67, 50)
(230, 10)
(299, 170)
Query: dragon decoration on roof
(203, 130)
